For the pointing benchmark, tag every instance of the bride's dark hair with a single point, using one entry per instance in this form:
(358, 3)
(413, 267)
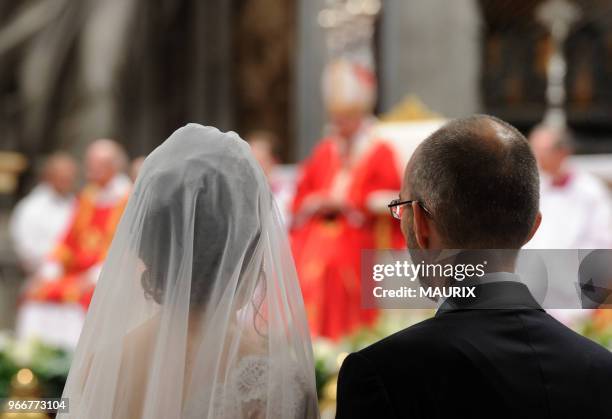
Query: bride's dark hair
(213, 224)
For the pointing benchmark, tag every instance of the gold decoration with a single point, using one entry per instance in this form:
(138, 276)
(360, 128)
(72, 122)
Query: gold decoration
(408, 110)
(11, 161)
(24, 386)
(264, 44)
(11, 165)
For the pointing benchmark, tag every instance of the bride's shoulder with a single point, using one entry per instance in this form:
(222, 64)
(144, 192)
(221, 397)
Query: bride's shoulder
(139, 340)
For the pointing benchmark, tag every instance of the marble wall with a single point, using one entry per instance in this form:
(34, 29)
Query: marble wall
(431, 48)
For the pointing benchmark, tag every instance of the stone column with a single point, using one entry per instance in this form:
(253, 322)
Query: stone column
(431, 48)
(310, 59)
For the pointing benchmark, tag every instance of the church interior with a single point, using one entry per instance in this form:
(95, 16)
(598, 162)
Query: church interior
(73, 72)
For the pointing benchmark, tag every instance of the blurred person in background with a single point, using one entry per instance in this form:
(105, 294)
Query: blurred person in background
(333, 218)
(264, 145)
(575, 205)
(59, 293)
(41, 217)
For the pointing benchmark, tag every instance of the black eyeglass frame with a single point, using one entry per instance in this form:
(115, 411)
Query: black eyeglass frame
(398, 203)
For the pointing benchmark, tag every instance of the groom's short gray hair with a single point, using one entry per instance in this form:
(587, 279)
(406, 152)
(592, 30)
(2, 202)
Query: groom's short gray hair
(479, 178)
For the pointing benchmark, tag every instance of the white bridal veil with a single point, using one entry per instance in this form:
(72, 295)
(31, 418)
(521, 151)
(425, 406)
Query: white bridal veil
(198, 311)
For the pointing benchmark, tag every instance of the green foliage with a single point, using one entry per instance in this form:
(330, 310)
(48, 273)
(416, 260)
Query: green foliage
(603, 336)
(49, 364)
(8, 368)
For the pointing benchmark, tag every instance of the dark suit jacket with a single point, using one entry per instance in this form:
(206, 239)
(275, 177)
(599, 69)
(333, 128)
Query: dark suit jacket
(470, 362)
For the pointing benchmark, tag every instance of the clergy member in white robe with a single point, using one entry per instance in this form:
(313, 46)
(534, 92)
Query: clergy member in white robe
(576, 214)
(575, 205)
(40, 219)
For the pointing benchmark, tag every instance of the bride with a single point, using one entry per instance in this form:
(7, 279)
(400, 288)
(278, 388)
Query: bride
(198, 312)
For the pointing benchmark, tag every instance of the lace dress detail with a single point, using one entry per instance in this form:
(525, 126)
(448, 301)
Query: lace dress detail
(246, 394)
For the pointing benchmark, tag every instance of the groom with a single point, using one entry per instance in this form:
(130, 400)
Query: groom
(474, 185)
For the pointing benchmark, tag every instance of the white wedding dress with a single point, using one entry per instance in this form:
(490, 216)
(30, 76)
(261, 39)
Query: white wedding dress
(198, 312)
(248, 381)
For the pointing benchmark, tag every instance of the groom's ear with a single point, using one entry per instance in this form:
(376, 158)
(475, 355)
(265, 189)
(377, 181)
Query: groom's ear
(534, 228)
(422, 227)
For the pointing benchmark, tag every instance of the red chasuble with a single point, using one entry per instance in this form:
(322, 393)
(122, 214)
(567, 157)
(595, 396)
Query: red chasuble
(83, 246)
(327, 248)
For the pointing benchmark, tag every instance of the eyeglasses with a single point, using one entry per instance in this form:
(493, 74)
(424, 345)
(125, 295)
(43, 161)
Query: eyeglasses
(397, 208)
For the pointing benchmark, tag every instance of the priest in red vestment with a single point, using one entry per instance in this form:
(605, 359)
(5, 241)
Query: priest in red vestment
(64, 285)
(335, 210)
